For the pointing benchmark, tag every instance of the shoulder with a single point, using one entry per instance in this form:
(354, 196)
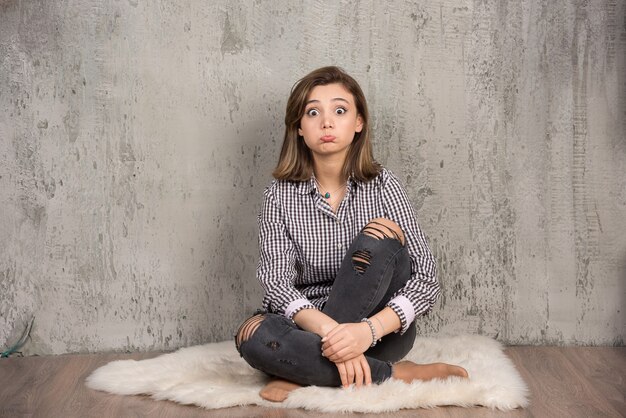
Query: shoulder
(384, 179)
(387, 187)
(285, 189)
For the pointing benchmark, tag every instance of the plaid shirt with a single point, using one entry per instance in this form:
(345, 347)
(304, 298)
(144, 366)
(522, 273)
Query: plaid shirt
(302, 243)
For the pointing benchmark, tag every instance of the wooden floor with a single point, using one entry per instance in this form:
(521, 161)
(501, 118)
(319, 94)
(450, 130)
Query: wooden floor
(564, 382)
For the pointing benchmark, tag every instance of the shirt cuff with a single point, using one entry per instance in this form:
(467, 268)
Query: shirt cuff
(403, 307)
(296, 306)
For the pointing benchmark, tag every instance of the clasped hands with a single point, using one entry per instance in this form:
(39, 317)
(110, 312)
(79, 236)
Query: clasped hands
(344, 345)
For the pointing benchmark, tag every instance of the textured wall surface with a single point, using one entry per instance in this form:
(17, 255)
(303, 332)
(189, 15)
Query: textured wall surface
(136, 139)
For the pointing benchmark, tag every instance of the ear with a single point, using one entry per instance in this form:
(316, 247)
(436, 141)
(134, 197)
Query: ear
(359, 124)
(300, 131)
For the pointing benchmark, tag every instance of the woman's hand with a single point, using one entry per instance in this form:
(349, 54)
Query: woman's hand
(346, 341)
(356, 370)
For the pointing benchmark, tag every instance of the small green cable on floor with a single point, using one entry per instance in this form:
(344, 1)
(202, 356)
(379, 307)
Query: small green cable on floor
(20, 343)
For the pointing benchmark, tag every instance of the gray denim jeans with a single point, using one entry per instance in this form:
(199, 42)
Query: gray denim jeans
(280, 348)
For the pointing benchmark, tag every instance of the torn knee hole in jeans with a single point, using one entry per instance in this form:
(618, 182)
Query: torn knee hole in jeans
(379, 231)
(361, 260)
(247, 329)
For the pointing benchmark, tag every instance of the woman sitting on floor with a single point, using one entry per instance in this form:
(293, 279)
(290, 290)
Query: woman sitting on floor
(343, 262)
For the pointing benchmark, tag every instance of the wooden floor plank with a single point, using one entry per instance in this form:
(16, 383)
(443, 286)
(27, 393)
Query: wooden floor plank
(565, 382)
(558, 387)
(605, 371)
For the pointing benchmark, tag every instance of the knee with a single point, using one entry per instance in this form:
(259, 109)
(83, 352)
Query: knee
(378, 228)
(247, 329)
(384, 228)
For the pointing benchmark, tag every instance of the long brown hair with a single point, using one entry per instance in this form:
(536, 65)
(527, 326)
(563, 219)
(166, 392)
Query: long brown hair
(296, 161)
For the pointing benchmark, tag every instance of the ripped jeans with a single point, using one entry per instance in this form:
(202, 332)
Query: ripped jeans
(361, 288)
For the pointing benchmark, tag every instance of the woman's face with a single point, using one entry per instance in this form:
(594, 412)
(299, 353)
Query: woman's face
(330, 121)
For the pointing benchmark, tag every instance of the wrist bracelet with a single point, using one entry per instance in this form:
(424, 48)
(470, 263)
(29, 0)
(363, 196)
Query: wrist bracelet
(382, 328)
(374, 339)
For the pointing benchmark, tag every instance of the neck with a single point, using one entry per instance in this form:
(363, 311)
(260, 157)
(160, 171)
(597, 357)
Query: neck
(328, 172)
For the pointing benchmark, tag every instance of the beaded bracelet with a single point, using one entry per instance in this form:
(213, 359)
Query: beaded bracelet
(374, 339)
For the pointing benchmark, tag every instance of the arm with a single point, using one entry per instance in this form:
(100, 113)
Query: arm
(314, 321)
(422, 289)
(386, 321)
(277, 261)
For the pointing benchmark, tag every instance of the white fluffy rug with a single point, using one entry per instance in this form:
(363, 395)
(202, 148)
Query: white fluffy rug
(214, 376)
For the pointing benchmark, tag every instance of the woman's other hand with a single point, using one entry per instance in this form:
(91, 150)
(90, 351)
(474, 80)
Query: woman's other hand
(346, 341)
(356, 370)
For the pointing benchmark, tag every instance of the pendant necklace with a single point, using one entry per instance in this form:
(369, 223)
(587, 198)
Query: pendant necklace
(328, 194)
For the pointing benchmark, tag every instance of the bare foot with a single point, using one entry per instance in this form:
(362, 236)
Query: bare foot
(277, 390)
(409, 371)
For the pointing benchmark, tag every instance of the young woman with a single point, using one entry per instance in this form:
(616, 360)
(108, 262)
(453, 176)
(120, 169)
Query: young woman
(343, 262)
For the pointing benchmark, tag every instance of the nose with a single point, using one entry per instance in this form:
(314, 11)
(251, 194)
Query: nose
(327, 122)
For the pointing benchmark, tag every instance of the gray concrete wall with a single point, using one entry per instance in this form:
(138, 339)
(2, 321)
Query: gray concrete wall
(136, 138)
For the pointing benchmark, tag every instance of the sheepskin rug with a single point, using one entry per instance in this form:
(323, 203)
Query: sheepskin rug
(214, 376)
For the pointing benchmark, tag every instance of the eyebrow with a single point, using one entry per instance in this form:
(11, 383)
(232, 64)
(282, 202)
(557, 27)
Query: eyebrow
(341, 99)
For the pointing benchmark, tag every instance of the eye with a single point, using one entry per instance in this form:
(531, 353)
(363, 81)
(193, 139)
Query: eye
(312, 112)
(340, 110)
